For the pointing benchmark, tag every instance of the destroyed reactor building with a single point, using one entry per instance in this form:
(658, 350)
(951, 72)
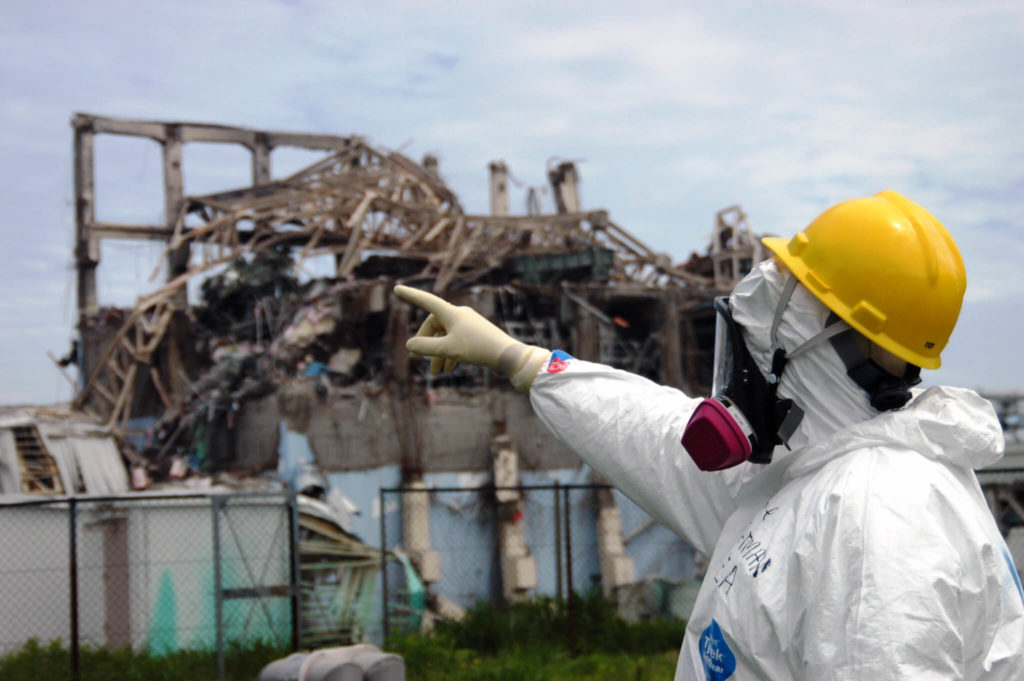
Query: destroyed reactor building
(573, 280)
(263, 363)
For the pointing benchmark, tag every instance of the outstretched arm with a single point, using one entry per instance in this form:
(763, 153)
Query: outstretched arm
(625, 426)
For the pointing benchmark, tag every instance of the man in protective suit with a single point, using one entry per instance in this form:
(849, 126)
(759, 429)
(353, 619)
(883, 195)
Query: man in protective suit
(848, 535)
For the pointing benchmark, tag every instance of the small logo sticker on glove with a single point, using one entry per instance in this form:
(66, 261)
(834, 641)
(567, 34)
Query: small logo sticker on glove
(559, 362)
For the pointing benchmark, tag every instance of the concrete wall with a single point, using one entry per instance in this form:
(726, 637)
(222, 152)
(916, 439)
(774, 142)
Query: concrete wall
(453, 431)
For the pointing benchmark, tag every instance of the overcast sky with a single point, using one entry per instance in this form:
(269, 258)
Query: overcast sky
(672, 113)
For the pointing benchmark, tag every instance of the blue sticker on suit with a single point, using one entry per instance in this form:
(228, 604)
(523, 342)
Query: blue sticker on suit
(719, 662)
(1013, 572)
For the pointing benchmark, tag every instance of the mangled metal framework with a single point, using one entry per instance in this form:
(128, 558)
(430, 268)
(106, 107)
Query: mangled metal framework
(361, 199)
(355, 201)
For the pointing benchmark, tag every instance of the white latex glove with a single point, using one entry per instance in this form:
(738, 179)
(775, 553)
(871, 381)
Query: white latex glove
(454, 334)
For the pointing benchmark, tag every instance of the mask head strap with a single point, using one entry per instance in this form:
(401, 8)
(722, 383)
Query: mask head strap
(826, 333)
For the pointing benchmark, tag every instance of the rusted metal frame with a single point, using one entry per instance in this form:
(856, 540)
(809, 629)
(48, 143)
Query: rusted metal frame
(653, 274)
(493, 260)
(612, 240)
(314, 209)
(397, 186)
(101, 366)
(391, 229)
(230, 237)
(64, 372)
(326, 165)
(407, 208)
(143, 328)
(625, 239)
(115, 367)
(1005, 494)
(182, 237)
(455, 234)
(121, 410)
(279, 215)
(427, 233)
(254, 198)
(157, 335)
(553, 237)
(314, 239)
(355, 223)
(140, 351)
(214, 201)
(646, 257)
(448, 270)
(161, 391)
(105, 393)
(437, 187)
(223, 231)
(396, 222)
(356, 150)
(150, 318)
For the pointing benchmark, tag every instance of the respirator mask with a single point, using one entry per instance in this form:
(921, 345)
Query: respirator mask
(744, 419)
(886, 390)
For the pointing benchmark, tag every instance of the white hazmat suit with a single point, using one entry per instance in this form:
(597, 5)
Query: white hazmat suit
(866, 552)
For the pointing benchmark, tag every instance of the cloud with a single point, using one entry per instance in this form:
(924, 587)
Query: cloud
(677, 112)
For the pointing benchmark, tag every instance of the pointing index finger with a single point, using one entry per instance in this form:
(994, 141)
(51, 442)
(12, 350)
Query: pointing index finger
(428, 301)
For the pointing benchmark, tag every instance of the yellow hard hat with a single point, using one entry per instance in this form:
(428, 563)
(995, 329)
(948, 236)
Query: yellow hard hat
(887, 267)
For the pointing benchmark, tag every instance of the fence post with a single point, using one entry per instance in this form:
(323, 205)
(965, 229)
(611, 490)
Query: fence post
(570, 611)
(73, 586)
(384, 562)
(558, 540)
(293, 536)
(216, 504)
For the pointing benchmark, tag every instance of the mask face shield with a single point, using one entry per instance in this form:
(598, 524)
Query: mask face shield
(724, 360)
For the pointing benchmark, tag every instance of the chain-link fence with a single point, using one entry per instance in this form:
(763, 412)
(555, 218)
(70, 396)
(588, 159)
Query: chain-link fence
(497, 544)
(162, 573)
(217, 572)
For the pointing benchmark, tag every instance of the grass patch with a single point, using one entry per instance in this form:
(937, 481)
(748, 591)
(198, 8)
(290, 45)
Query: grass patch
(530, 642)
(434, 663)
(53, 661)
(524, 642)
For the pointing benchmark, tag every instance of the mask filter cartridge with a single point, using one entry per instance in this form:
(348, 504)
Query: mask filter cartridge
(717, 436)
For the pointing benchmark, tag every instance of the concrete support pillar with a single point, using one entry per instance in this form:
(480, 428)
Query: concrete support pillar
(518, 567)
(565, 187)
(499, 188)
(87, 246)
(617, 569)
(432, 165)
(416, 533)
(174, 193)
(261, 161)
(671, 339)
